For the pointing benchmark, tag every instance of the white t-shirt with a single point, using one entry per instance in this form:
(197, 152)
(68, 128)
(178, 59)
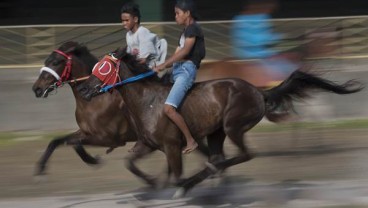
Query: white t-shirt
(143, 44)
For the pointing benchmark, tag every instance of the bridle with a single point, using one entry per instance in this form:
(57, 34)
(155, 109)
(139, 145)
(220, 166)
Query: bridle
(64, 78)
(66, 71)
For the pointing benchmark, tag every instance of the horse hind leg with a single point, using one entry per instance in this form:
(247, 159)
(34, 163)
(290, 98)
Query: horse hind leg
(236, 136)
(216, 148)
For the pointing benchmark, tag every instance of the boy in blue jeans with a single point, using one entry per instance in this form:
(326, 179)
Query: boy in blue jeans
(185, 61)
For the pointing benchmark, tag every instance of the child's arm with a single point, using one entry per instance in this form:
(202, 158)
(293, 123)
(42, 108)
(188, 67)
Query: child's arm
(146, 45)
(179, 54)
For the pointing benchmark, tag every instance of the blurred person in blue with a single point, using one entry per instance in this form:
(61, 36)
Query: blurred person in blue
(253, 37)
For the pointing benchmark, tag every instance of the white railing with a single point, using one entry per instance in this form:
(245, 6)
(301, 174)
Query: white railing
(342, 37)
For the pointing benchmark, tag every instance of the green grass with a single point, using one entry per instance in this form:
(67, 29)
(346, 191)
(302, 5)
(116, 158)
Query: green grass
(10, 138)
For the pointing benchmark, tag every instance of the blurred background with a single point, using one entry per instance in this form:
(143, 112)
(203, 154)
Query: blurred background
(334, 31)
(333, 35)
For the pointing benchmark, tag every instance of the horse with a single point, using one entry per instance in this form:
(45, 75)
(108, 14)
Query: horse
(102, 122)
(212, 109)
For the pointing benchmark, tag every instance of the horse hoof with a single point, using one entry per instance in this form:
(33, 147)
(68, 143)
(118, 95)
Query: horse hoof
(98, 163)
(99, 159)
(40, 179)
(179, 193)
(152, 182)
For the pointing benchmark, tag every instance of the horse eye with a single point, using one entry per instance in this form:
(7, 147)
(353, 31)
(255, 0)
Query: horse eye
(57, 62)
(54, 63)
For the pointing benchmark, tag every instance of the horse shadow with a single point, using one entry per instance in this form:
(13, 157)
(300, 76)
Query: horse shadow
(232, 191)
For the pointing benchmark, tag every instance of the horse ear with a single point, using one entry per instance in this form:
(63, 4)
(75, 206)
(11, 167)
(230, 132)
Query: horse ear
(120, 52)
(71, 49)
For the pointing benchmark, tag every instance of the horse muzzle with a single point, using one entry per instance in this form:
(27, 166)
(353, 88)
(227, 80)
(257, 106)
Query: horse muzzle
(39, 92)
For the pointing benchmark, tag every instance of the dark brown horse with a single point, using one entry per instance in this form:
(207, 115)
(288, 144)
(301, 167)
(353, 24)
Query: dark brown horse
(214, 109)
(102, 122)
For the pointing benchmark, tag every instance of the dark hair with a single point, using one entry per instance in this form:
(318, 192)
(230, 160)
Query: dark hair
(188, 5)
(132, 9)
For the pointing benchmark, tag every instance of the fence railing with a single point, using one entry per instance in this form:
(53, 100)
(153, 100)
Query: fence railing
(332, 37)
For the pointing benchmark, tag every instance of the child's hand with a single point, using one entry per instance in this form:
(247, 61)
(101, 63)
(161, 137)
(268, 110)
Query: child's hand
(135, 52)
(159, 68)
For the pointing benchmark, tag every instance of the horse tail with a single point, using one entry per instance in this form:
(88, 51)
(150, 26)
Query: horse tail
(279, 99)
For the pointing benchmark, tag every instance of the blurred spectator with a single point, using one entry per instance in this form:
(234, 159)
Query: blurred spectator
(253, 38)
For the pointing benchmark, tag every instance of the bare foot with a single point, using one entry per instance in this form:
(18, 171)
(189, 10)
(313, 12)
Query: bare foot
(133, 149)
(110, 150)
(190, 147)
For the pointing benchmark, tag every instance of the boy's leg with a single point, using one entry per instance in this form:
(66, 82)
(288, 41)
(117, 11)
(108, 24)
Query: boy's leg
(171, 112)
(184, 76)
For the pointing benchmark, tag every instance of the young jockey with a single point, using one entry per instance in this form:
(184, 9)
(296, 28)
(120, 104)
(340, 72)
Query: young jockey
(141, 42)
(185, 61)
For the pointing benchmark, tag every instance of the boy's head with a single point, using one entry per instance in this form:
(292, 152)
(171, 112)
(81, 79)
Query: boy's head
(187, 7)
(130, 15)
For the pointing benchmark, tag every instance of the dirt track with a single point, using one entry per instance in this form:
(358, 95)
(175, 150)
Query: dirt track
(319, 155)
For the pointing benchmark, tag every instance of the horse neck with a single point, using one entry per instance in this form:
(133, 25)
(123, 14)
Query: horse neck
(134, 93)
(79, 70)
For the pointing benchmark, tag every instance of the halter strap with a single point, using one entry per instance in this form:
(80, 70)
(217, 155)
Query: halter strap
(67, 69)
(62, 53)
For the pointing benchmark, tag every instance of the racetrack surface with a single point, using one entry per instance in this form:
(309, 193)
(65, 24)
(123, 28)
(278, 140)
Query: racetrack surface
(319, 167)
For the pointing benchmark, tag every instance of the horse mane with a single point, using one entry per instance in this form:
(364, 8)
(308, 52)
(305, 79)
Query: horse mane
(133, 65)
(81, 51)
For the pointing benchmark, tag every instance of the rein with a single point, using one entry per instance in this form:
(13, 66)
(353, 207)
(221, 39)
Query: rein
(128, 80)
(107, 70)
(60, 84)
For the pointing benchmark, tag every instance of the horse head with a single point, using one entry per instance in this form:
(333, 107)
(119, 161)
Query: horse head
(113, 68)
(67, 64)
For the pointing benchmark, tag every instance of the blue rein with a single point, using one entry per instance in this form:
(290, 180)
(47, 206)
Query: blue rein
(129, 80)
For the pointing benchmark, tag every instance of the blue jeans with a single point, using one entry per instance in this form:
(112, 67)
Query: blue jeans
(183, 75)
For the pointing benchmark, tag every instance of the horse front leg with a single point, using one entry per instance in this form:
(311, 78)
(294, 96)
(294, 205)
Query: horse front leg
(75, 139)
(174, 159)
(41, 165)
(85, 156)
(140, 151)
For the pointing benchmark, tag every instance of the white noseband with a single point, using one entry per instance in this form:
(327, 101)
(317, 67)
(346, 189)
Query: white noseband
(49, 70)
